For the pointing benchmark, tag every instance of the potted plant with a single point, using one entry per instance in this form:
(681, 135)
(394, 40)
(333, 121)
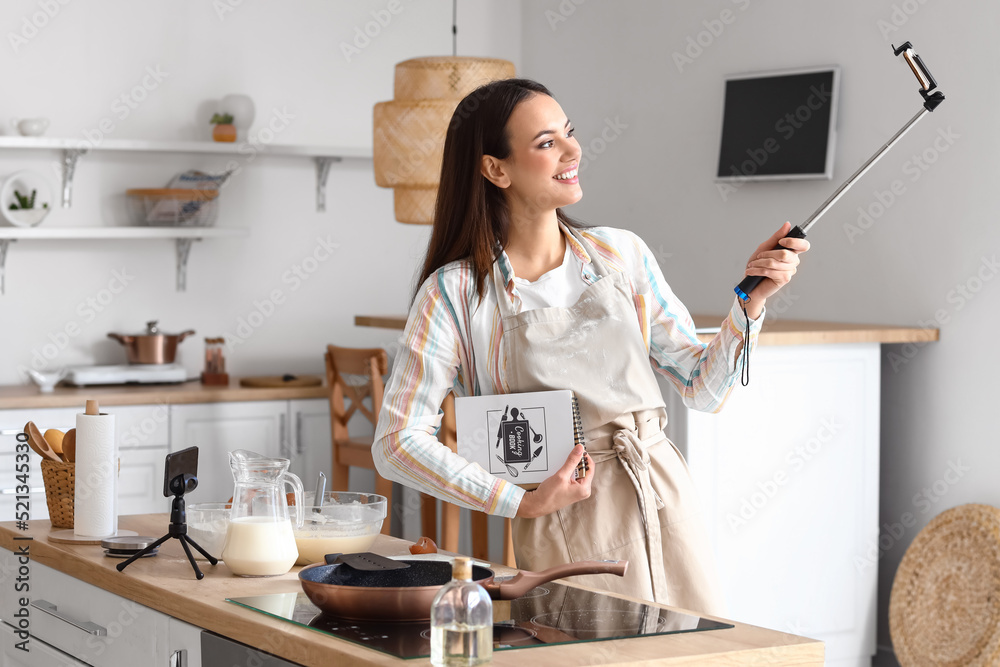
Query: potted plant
(224, 130)
(23, 210)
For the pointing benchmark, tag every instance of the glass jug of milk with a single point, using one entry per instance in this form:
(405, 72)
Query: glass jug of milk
(260, 541)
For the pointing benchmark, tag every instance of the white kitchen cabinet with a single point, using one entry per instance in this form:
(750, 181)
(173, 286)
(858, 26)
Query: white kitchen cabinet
(312, 443)
(143, 440)
(39, 654)
(218, 428)
(140, 483)
(70, 617)
(183, 644)
(788, 472)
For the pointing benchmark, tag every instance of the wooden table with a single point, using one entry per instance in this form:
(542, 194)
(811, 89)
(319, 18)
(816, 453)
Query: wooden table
(166, 583)
(773, 332)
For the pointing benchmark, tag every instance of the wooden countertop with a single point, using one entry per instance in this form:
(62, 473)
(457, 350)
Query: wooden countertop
(774, 332)
(167, 583)
(28, 396)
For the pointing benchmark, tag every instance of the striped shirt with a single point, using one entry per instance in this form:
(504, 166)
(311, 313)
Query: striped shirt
(452, 343)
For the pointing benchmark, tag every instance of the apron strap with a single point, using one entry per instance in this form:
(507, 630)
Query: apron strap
(634, 457)
(600, 268)
(503, 300)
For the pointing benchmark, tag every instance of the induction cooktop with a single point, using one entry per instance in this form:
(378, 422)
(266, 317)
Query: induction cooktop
(548, 614)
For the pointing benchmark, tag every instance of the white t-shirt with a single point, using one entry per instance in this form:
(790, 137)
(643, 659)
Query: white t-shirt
(562, 286)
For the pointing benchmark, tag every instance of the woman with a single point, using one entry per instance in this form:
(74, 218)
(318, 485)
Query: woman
(517, 297)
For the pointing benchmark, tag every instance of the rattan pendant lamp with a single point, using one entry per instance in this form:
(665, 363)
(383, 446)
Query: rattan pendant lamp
(410, 129)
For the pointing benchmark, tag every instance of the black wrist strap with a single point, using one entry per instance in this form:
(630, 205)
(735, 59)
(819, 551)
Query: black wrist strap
(745, 361)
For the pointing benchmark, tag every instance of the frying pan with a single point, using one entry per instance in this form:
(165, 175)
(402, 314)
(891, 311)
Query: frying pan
(407, 594)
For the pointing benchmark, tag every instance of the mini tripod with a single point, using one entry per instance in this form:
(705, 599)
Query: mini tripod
(179, 485)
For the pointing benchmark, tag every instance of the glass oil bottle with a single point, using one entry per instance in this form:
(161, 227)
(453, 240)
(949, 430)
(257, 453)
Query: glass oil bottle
(461, 621)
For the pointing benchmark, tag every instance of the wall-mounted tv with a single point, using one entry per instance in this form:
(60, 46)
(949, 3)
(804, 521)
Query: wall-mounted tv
(779, 125)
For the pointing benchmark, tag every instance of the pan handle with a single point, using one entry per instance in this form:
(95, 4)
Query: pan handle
(124, 340)
(523, 581)
(184, 334)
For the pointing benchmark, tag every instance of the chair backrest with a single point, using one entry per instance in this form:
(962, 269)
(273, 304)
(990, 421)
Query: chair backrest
(354, 374)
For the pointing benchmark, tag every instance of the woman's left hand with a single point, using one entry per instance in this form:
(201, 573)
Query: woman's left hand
(777, 266)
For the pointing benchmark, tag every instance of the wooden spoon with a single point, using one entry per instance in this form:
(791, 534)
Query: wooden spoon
(69, 446)
(38, 443)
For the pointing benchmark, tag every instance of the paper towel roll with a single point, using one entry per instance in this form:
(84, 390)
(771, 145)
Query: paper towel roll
(96, 498)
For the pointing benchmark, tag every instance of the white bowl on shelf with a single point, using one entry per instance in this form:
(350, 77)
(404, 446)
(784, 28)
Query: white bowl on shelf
(24, 182)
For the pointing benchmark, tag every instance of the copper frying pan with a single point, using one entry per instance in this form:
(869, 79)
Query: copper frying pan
(407, 594)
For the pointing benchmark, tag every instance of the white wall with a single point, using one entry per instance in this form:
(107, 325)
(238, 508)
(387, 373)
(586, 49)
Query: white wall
(614, 63)
(286, 55)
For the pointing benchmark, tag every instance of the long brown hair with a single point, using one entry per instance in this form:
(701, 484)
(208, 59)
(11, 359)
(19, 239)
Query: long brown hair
(471, 216)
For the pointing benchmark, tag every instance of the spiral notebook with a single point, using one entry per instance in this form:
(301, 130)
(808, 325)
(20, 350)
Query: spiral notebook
(523, 438)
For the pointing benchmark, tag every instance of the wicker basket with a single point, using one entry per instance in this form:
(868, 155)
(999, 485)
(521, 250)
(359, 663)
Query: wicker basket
(60, 486)
(944, 609)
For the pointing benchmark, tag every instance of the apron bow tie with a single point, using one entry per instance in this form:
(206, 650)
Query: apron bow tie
(633, 454)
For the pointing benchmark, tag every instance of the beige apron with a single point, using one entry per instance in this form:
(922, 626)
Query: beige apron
(643, 504)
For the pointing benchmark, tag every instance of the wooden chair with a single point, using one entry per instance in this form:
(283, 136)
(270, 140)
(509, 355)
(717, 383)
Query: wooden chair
(450, 513)
(347, 397)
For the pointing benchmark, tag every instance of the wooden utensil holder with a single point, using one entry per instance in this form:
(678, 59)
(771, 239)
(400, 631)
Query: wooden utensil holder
(59, 478)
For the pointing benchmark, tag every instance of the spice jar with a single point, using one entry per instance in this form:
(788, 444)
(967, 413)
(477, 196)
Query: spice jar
(215, 363)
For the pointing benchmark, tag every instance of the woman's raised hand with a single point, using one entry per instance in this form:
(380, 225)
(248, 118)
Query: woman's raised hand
(776, 266)
(559, 490)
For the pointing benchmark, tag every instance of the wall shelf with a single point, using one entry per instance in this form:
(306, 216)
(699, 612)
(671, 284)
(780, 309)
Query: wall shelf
(73, 149)
(182, 236)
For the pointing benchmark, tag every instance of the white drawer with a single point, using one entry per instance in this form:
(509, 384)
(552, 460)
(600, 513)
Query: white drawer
(133, 634)
(39, 653)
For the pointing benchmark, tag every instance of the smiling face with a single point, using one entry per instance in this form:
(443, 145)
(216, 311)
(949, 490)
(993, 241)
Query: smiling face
(540, 174)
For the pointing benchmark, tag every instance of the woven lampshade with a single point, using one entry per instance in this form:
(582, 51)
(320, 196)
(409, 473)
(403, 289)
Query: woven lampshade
(410, 129)
(945, 603)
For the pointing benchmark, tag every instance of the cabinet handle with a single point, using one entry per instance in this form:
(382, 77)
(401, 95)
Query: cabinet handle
(283, 438)
(86, 626)
(179, 658)
(300, 447)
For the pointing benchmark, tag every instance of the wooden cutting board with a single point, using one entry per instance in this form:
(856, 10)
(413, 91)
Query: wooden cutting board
(270, 381)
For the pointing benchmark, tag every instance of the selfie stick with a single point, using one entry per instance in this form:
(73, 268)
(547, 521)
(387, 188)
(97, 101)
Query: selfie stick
(931, 101)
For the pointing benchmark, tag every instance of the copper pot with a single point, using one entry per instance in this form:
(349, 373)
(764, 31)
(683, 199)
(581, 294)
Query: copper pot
(409, 593)
(151, 347)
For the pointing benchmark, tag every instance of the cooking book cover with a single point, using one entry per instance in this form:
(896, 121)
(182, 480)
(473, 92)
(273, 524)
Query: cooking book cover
(523, 438)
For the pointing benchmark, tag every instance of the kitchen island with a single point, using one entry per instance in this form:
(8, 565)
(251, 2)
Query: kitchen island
(166, 585)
